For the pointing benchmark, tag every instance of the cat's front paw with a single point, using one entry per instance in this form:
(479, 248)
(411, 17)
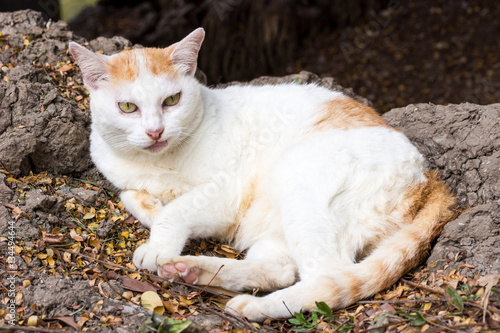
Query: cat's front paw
(148, 256)
(247, 306)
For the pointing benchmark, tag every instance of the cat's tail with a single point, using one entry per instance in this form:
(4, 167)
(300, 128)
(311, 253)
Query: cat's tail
(427, 210)
(430, 208)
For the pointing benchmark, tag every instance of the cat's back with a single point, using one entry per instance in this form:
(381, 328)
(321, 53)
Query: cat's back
(299, 108)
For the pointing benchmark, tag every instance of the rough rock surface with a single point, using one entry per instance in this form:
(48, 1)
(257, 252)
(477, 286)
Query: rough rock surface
(40, 130)
(463, 142)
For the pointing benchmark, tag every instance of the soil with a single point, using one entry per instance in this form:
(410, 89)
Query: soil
(74, 240)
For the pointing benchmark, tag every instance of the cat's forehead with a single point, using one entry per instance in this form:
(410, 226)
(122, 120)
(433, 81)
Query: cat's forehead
(127, 65)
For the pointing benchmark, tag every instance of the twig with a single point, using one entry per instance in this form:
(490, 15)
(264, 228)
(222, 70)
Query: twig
(341, 325)
(286, 306)
(415, 285)
(440, 292)
(213, 277)
(30, 329)
(238, 322)
(384, 326)
(416, 300)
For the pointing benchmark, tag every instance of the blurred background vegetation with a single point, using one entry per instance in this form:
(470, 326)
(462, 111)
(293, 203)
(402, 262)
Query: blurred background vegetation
(394, 52)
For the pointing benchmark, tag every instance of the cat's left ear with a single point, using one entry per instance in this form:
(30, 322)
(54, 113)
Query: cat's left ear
(185, 54)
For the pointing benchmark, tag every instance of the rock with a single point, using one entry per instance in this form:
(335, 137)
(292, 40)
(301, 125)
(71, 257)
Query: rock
(472, 239)
(6, 192)
(60, 293)
(462, 141)
(84, 196)
(104, 228)
(39, 129)
(303, 77)
(206, 320)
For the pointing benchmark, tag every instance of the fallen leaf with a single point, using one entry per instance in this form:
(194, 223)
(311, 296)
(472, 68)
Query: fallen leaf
(151, 301)
(453, 297)
(488, 281)
(75, 236)
(32, 321)
(68, 320)
(136, 285)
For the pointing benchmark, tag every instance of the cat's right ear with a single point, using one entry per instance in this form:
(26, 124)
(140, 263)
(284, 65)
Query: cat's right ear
(185, 54)
(92, 65)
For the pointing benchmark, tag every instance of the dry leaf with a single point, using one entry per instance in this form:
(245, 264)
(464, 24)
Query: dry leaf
(488, 281)
(136, 285)
(67, 320)
(151, 301)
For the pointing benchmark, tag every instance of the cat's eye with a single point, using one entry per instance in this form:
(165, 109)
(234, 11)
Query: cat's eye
(172, 100)
(127, 107)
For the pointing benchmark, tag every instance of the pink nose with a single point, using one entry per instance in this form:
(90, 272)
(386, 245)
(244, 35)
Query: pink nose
(155, 134)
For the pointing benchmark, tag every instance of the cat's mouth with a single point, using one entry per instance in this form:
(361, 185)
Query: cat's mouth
(157, 146)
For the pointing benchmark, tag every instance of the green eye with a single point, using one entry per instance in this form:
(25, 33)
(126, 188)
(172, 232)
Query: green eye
(127, 107)
(172, 100)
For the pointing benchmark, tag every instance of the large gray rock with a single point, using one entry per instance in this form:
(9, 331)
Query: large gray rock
(463, 142)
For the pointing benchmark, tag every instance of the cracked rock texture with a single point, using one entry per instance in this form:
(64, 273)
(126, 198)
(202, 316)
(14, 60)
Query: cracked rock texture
(463, 142)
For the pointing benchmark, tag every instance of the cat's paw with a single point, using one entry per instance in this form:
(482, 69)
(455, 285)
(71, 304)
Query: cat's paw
(149, 256)
(179, 270)
(247, 306)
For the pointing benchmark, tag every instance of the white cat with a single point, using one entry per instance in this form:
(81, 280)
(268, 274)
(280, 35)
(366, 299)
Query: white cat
(331, 203)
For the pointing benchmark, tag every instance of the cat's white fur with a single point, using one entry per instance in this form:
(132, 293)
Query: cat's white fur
(317, 209)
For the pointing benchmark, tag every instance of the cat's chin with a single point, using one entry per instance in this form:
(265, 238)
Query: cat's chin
(157, 146)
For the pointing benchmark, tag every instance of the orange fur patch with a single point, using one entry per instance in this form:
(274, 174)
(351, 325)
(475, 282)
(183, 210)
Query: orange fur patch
(159, 61)
(426, 208)
(346, 113)
(148, 203)
(124, 66)
(246, 200)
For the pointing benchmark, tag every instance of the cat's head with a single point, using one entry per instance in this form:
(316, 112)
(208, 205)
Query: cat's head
(143, 100)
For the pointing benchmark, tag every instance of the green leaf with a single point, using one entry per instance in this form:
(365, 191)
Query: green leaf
(324, 309)
(294, 321)
(496, 291)
(160, 324)
(418, 321)
(454, 298)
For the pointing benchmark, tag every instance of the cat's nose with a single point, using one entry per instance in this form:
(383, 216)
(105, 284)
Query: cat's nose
(155, 134)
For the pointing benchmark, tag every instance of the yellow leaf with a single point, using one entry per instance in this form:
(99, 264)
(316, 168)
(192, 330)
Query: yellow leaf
(26, 283)
(93, 225)
(122, 244)
(75, 236)
(125, 234)
(88, 216)
(427, 306)
(32, 321)
(151, 301)
(18, 249)
(186, 301)
(51, 261)
(42, 256)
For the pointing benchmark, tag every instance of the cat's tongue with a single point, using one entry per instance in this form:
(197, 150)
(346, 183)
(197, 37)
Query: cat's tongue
(157, 146)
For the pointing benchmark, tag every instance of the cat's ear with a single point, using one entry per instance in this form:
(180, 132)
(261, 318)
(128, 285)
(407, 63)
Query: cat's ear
(92, 65)
(185, 54)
